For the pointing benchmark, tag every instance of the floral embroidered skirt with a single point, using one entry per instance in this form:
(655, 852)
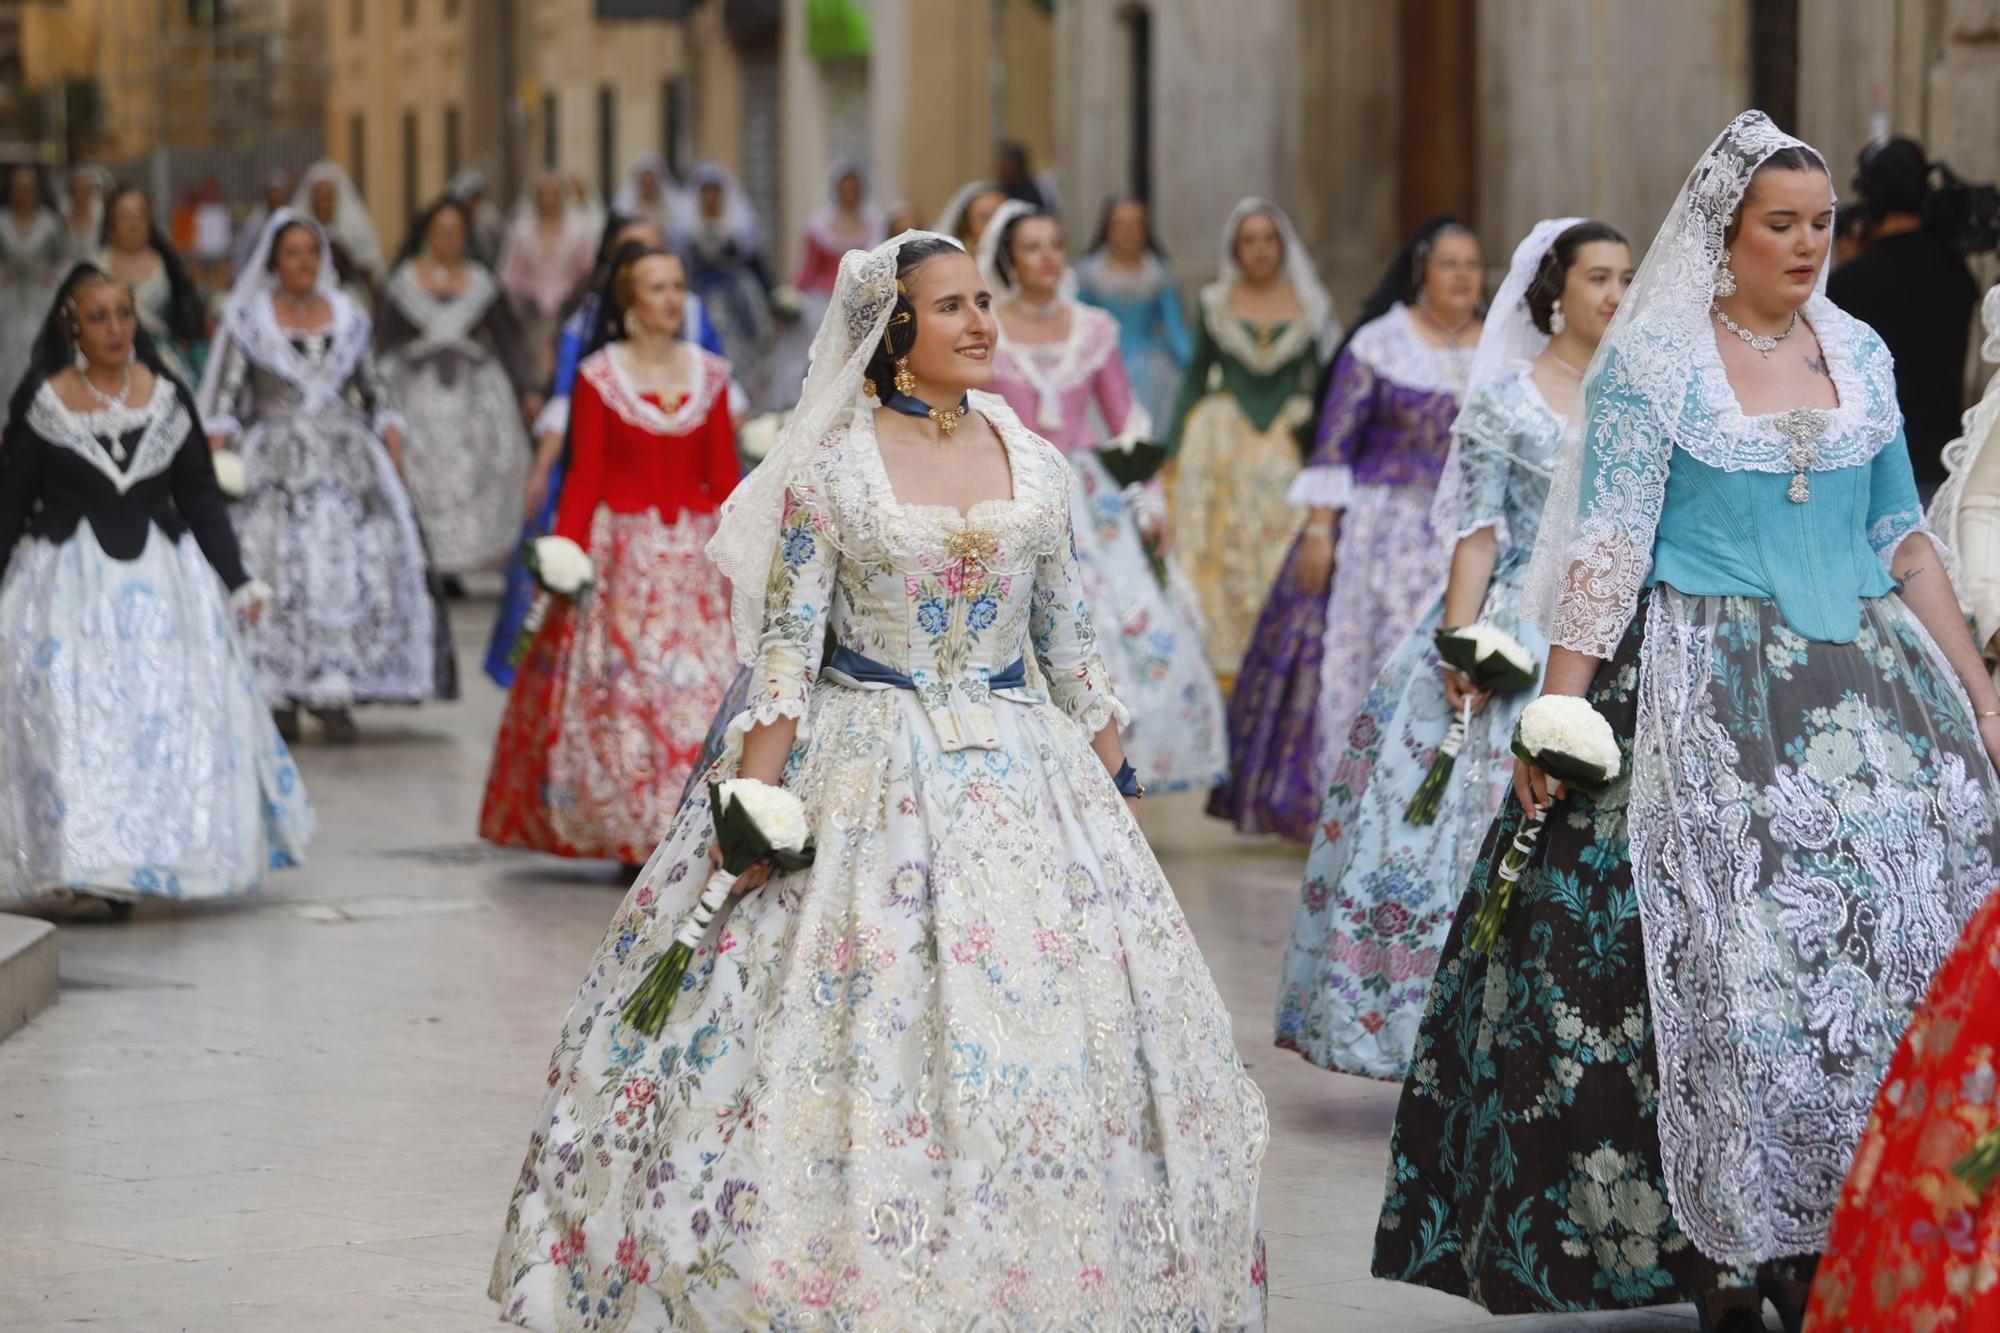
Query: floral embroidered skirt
(1311, 661)
(137, 757)
(1231, 521)
(607, 715)
(1148, 637)
(1379, 891)
(1546, 1154)
(1912, 1244)
(1386, 569)
(968, 1070)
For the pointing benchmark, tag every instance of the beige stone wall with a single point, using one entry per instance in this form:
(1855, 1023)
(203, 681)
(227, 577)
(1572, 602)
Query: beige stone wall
(1599, 108)
(568, 55)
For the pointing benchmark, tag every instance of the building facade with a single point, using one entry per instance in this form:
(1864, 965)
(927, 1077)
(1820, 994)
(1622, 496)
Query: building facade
(1362, 118)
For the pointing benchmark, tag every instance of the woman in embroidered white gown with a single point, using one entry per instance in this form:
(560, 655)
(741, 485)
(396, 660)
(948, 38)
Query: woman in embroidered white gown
(136, 756)
(968, 1069)
(457, 367)
(1058, 365)
(326, 520)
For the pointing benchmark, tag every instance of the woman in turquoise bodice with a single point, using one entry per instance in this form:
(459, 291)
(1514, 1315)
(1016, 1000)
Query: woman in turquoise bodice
(1649, 1090)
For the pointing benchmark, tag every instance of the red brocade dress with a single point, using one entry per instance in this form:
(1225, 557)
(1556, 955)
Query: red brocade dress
(1913, 1245)
(607, 715)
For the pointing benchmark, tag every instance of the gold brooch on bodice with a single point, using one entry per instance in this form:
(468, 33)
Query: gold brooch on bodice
(1802, 426)
(973, 544)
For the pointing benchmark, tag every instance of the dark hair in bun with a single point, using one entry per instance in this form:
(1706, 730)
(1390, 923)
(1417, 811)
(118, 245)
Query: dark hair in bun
(901, 335)
(1547, 287)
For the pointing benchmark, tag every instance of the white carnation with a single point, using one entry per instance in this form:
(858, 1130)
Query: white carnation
(1566, 725)
(779, 816)
(760, 433)
(562, 566)
(231, 477)
(1492, 641)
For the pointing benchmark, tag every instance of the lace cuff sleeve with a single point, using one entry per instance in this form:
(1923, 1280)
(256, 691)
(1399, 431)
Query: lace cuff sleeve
(1624, 486)
(1894, 509)
(1066, 644)
(799, 596)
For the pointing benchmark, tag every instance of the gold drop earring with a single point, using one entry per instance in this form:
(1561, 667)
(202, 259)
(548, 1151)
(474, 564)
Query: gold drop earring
(906, 381)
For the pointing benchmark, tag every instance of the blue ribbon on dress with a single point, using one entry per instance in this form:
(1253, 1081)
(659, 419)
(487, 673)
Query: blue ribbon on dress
(863, 670)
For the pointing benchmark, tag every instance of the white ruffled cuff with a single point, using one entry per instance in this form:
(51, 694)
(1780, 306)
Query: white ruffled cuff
(385, 420)
(250, 595)
(739, 401)
(222, 424)
(1501, 532)
(553, 419)
(1322, 488)
(1104, 709)
(753, 716)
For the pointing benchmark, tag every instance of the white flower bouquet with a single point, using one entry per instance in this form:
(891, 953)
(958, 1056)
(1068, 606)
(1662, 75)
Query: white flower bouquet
(1570, 741)
(1493, 660)
(561, 568)
(754, 821)
(759, 433)
(786, 303)
(231, 477)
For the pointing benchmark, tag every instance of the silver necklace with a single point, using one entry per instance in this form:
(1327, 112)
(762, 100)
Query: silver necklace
(110, 402)
(1764, 343)
(1033, 311)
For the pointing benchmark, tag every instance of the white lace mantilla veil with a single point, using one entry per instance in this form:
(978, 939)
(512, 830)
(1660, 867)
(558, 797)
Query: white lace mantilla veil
(864, 296)
(1976, 429)
(952, 215)
(1299, 270)
(353, 225)
(1593, 552)
(739, 215)
(1508, 341)
(248, 318)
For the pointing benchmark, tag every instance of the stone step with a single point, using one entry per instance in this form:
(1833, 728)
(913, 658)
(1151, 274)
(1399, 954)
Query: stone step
(27, 969)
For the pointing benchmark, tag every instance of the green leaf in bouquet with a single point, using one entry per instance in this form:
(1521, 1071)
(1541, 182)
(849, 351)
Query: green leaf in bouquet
(1588, 778)
(1135, 466)
(1494, 673)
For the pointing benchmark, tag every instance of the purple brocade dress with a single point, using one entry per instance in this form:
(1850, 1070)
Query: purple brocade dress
(1383, 434)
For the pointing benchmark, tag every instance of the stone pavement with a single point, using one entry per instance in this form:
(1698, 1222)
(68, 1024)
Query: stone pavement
(304, 1111)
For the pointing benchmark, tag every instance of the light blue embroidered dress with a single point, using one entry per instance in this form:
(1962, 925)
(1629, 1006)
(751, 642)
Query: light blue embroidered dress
(1152, 333)
(1380, 892)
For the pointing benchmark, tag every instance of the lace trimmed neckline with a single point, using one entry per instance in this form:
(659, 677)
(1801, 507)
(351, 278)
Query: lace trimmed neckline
(869, 447)
(1865, 419)
(607, 373)
(1395, 350)
(163, 416)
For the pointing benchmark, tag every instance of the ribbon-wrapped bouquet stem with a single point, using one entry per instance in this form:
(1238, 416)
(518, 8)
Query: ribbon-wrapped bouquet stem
(754, 821)
(1133, 463)
(1570, 741)
(1495, 662)
(560, 568)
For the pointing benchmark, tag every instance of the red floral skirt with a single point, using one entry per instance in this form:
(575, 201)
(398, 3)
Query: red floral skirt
(1912, 1246)
(607, 715)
